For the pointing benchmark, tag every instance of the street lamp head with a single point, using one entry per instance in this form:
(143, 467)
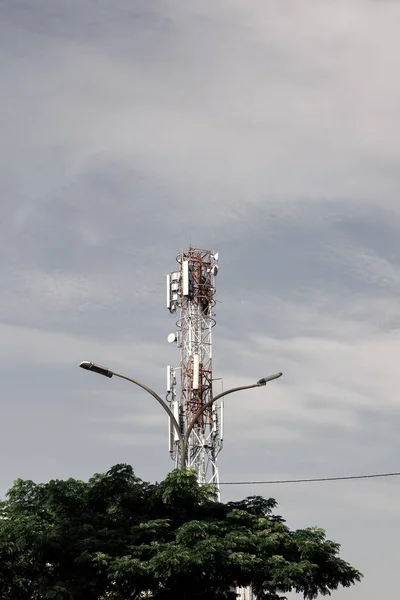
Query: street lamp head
(88, 366)
(265, 380)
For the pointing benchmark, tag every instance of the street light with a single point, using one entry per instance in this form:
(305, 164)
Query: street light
(96, 369)
(265, 380)
(183, 440)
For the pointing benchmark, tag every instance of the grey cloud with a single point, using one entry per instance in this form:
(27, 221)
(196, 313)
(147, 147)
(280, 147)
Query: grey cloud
(267, 131)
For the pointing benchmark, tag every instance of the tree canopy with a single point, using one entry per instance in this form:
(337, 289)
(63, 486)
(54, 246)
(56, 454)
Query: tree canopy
(117, 537)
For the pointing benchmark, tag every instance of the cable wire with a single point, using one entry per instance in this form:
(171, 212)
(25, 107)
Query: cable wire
(373, 476)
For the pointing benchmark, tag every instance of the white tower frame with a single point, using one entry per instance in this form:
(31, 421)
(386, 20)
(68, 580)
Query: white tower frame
(190, 293)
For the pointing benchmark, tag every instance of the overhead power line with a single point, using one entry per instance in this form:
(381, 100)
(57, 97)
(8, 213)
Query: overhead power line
(316, 479)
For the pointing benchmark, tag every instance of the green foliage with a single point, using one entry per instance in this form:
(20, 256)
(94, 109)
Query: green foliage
(117, 537)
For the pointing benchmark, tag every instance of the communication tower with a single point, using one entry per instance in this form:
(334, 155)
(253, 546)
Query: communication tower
(190, 296)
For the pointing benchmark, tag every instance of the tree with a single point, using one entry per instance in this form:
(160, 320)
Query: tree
(117, 537)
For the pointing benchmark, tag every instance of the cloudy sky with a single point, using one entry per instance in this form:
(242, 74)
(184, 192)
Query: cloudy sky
(266, 130)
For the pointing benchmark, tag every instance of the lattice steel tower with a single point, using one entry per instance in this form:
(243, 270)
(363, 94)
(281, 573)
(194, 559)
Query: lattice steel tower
(190, 296)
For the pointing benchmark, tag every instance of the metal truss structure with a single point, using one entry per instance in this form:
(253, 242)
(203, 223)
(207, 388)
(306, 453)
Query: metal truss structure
(190, 295)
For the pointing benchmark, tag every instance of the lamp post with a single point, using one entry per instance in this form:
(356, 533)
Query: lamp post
(183, 440)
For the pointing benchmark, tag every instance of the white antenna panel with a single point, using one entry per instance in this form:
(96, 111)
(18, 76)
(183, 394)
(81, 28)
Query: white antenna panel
(185, 275)
(175, 410)
(168, 378)
(196, 369)
(168, 291)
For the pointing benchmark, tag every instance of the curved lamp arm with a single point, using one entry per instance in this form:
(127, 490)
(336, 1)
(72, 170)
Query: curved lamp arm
(209, 404)
(108, 373)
